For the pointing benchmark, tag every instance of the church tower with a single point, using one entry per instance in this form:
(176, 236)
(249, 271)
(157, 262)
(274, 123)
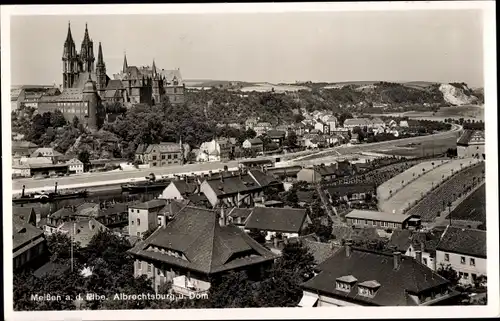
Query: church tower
(100, 72)
(70, 60)
(87, 53)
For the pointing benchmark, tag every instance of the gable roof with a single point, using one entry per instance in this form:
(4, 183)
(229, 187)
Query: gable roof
(286, 220)
(470, 135)
(208, 248)
(150, 204)
(163, 148)
(23, 213)
(253, 180)
(46, 152)
(463, 241)
(255, 141)
(411, 277)
(276, 133)
(83, 231)
(23, 233)
(377, 216)
(141, 148)
(184, 187)
(402, 239)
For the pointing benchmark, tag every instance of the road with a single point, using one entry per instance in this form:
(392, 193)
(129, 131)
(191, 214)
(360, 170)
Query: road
(109, 178)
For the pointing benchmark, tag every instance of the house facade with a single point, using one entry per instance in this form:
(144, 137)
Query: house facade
(144, 216)
(163, 155)
(465, 251)
(471, 144)
(28, 244)
(287, 222)
(194, 247)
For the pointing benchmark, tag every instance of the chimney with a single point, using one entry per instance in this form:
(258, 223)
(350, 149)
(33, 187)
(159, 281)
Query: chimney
(221, 176)
(209, 173)
(275, 242)
(24, 187)
(348, 248)
(55, 188)
(422, 247)
(222, 218)
(397, 260)
(418, 256)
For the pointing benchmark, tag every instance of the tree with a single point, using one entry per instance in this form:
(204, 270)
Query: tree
(232, 290)
(449, 273)
(298, 118)
(84, 157)
(75, 122)
(291, 140)
(282, 288)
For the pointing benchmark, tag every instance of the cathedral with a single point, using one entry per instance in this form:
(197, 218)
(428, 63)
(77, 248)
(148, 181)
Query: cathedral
(86, 85)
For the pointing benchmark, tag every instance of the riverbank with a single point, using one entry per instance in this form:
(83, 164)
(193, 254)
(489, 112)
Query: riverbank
(111, 179)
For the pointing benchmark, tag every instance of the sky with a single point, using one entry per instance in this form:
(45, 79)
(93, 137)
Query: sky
(438, 46)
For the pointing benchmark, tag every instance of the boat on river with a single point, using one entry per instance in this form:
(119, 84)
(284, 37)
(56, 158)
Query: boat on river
(44, 196)
(152, 184)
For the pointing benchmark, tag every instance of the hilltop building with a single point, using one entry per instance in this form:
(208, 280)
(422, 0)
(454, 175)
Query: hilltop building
(86, 85)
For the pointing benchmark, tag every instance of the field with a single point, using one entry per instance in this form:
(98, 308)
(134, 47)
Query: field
(267, 87)
(472, 208)
(472, 112)
(434, 147)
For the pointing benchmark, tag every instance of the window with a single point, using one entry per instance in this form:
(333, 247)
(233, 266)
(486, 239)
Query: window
(139, 265)
(473, 262)
(154, 163)
(424, 260)
(149, 267)
(154, 157)
(169, 156)
(138, 234)
(466, 275)
(474, 276)
(175, 156)
(132, 223)
(158, 271)
(138, 221)
(447, 257)
(462, 259)
(162, 156)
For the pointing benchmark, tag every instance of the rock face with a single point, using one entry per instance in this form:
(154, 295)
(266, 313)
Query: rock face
(457, 95)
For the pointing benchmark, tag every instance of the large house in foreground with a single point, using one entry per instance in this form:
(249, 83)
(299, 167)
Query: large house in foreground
(356, 277)
(195, 247)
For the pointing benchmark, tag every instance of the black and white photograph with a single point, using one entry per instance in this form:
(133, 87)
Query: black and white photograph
(237, 157)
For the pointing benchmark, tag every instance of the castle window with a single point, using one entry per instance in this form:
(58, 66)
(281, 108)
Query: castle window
(175, 156)
(169, 156)
(162, 156)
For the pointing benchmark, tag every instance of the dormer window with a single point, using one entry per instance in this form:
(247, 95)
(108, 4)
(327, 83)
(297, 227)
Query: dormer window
(345, 283)
(368, 288)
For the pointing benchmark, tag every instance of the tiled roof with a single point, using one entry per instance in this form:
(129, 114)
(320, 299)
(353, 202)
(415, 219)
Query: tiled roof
(356, 122)
(378, 216)
(74, 161)
(163, 148)
(402, 239)
(83, 231)
(276, 134)
(150, 204)
(463, 241)
(255, 141)
(23, 213)
(141, 148)
(170, 75)
(23, 144)
(33, 160)
(184, 187)
(411, 277)
(23, 232)
(286, 220)
(197, 199)
(254, 179)
(320, 251)
(68, 94)
(113, 209)
(470, 135)
(207, 246)
(46, 152)
(63, 212)
(114, 84)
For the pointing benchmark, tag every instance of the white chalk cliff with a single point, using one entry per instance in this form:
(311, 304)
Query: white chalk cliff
(456, 96)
